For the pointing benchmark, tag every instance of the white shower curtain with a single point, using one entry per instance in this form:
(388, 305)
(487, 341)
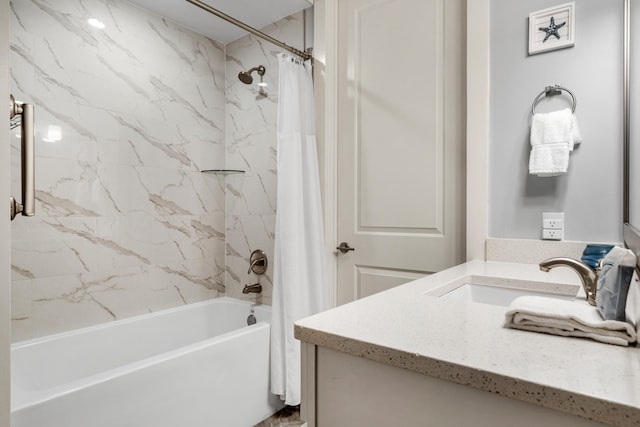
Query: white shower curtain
(300, 278)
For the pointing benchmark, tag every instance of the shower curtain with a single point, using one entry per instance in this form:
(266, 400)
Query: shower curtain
(300, 278)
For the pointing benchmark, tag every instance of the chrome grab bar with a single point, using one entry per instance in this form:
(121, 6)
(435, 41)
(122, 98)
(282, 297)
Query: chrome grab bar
(27, 141)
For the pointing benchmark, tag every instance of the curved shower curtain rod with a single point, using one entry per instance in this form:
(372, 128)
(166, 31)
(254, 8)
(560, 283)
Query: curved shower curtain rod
(234, 21)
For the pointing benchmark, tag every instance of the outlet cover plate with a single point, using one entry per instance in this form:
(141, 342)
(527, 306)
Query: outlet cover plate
(550, 234)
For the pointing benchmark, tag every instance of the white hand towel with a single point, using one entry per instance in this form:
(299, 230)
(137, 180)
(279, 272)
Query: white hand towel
(575, 137)
(566, 318)
(549, 159)
(553, 137)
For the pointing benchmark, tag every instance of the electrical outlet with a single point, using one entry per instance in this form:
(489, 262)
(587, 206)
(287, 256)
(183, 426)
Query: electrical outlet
(554, 224)
(552, 234)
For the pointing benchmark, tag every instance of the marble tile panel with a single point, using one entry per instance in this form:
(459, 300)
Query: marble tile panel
(21, 322)
(116, 151)
(20, 299)
(198, 277)
(256, 149)
(155, 142)
(175, 192)
(60, 19)
(182, 238)
(67, 187)
(67, 73)
(185, 105)
(21, 329)
(52, 258)
(245, 114)
(205, 153)
(66, 131)
(66, 247)
(256, 194)
(115, 181)
(61, 303)
(20, 34)
(138, 108)
(209, 236)
(212, 196)
(231, 183)
(137, 293)
(123, 242)
(22, 71)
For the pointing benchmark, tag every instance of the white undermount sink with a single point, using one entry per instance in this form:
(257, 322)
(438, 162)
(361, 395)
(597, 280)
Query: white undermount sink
(486, 294)
(501, 292)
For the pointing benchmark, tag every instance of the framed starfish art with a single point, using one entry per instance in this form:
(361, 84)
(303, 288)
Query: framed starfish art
(552, 28)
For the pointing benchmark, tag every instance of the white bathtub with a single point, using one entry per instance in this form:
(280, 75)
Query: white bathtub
(196, 365)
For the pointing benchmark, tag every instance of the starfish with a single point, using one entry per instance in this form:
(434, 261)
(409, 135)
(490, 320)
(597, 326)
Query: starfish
(552, 30)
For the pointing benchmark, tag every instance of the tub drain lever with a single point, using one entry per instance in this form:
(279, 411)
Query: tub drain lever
(251, 319)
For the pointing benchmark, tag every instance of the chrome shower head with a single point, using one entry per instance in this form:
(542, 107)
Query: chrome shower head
(245, 76)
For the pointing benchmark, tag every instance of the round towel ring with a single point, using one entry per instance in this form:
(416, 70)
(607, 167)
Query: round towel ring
(550, 91)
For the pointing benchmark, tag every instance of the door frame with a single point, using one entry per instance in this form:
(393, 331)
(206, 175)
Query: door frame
(5, 223)
(477, 143)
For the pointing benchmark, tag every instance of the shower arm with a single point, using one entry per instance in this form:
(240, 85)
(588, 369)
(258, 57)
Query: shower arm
(260, 69)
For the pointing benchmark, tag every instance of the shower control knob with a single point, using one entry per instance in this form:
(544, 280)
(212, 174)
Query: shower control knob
(344, 248)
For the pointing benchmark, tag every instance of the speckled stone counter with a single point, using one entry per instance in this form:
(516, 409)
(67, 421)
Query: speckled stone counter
(465, 343)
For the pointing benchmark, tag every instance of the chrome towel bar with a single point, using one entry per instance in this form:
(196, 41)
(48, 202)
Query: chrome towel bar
(28, 206)
(551, 91)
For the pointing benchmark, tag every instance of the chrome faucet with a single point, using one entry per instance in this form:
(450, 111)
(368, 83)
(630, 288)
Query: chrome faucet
(256, 288)
(588, 276)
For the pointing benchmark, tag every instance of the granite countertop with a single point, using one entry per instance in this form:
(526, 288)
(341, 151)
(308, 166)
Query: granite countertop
(466, 343)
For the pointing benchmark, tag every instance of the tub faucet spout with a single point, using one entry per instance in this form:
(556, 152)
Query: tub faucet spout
(588, 276)
(256, 288)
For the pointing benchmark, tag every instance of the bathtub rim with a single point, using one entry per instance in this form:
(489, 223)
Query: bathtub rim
(42, 396)
(150, 315)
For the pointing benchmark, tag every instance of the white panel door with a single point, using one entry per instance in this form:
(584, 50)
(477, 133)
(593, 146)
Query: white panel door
(401, 121)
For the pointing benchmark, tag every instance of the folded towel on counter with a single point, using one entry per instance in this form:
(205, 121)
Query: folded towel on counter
(566, 318)
(553, 137)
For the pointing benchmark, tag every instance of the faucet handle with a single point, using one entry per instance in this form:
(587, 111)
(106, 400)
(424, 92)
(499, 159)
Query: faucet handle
(258, 262)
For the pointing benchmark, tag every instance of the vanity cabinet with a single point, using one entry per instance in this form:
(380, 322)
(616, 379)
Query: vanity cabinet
(407, 357)
(344, 390)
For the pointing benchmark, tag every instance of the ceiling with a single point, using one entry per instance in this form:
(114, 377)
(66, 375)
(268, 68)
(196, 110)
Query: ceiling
(256, 13)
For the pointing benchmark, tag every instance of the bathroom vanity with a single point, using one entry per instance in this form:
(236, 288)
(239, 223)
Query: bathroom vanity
(409, 357)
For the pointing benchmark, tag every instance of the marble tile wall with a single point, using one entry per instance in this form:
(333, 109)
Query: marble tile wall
(251, 145)
(126, 116)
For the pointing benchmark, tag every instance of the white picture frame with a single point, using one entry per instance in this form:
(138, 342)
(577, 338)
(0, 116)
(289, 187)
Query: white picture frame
(544, 41)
